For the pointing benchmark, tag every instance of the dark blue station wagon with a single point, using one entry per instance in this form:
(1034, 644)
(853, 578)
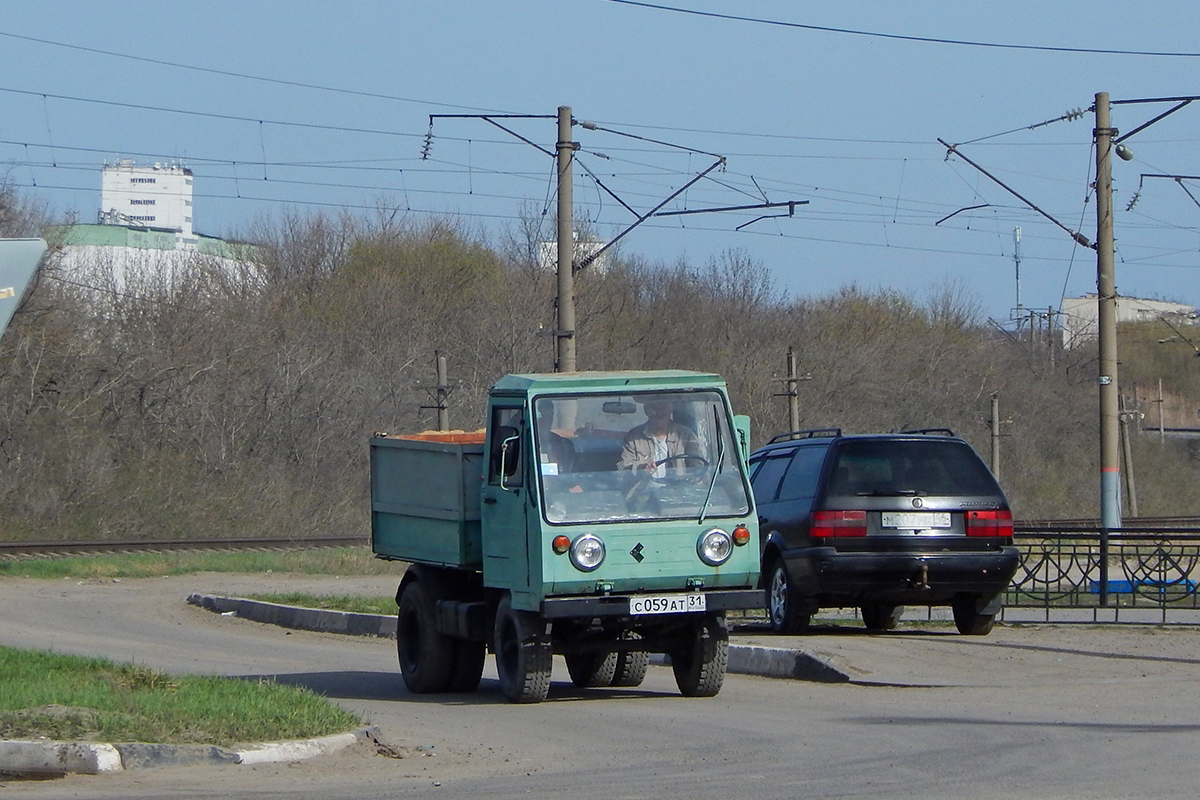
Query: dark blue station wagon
(878, 521)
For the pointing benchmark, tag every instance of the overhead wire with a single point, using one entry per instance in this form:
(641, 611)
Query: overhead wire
(905, 37)
(867, 199)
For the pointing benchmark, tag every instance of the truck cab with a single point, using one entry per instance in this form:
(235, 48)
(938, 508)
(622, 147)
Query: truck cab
(614, 520)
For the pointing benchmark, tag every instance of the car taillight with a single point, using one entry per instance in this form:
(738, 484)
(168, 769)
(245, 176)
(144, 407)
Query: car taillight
(839, 523)
(989, 523)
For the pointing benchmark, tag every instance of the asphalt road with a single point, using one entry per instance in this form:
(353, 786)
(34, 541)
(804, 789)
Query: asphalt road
(1030, 711)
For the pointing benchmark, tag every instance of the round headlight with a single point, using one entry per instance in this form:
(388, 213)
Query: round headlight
(714, 547)
(587, 552)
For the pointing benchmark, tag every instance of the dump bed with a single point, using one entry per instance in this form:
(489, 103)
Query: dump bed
(425, 498)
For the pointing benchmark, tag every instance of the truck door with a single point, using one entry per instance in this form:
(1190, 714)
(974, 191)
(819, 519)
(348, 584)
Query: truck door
(506, 497)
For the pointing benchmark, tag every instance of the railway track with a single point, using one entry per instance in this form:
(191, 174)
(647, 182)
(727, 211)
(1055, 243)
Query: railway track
(49, 549)
(28, 549)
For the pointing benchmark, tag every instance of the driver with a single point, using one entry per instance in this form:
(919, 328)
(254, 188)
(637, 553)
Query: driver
(648, 447)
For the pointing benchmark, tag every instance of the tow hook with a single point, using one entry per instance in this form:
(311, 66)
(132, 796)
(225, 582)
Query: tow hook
(923, 577)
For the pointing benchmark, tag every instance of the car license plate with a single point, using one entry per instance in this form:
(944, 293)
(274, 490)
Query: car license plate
(667, 603)
(915, 520)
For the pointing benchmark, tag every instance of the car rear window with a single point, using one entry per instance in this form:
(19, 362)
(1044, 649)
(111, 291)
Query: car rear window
(891, 466)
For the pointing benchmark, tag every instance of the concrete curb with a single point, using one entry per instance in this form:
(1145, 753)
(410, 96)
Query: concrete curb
(768, 662)
(44, 757)
(298, 617)
(779, 662)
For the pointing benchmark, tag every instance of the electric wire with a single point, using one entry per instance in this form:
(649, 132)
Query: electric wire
(906, 38)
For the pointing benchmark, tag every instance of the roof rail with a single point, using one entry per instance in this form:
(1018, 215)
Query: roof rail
(931, 431)
(811, 433)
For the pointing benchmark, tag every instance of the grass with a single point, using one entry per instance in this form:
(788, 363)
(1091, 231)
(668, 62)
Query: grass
(356, 604)
(324, 561)
(70, 697)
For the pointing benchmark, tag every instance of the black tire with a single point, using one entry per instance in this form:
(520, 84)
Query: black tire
(881, 616)
(785, 611)
(523, 654)
(467, 670)
(968, 620)
(591, 670)
(700, 663)
(631, 664)
(425, 655)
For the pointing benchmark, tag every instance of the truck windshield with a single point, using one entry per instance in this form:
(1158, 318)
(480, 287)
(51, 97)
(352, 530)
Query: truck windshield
(621, 457)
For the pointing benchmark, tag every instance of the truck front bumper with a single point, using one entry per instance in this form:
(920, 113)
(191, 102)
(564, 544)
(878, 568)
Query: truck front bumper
(618, 605)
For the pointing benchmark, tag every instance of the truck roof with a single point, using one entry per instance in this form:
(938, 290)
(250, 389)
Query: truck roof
(633, 380)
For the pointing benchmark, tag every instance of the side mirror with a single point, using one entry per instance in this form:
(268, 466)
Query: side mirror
(742, 424)
(506, 453)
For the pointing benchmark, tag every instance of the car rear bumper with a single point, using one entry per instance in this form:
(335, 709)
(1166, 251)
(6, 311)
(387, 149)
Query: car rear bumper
(915, 577)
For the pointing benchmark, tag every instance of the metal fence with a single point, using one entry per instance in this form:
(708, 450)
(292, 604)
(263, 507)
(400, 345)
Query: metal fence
(1128, 571)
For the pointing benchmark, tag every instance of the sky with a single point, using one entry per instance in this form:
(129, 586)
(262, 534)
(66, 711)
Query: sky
(304, 108)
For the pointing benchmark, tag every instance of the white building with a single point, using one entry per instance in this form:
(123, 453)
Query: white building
(144, 234)
(548, 254)
(158, 196)
(1081, 315)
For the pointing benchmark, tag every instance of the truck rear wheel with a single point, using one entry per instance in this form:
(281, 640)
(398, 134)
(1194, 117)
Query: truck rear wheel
(631, 664)
(700, 663)
(591, 670)
(467, 669)
(523, 654)
(425, 655)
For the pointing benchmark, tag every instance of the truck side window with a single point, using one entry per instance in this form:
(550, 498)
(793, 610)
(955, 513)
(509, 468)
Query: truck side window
(508, 425)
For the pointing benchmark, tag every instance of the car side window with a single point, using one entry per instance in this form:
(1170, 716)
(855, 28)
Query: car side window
(765, 480)
(800, 480)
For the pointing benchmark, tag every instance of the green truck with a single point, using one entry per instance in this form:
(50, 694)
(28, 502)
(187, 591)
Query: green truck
(603, 516)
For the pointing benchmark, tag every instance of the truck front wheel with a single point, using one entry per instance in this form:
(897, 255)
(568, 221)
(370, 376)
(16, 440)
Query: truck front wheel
(425, 654)
(523, 654)
(699, 664)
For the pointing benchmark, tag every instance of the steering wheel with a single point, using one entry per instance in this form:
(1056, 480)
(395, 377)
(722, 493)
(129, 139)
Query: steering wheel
(703, 461)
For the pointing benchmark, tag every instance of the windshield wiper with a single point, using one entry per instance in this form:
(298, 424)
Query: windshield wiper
(717, 468)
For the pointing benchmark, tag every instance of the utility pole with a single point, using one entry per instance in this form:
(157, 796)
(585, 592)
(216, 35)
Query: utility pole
(1127, 449)
(443, 391)
(1110, 431)
(564, 332)
(1162, 436)
(440, 392)
(1051, 335)
(1017, 262)
(792, 395)
(996, 434)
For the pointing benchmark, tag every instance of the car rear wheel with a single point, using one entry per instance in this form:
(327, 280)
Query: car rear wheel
(969, 620)
(784, 608)
(881, 616)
